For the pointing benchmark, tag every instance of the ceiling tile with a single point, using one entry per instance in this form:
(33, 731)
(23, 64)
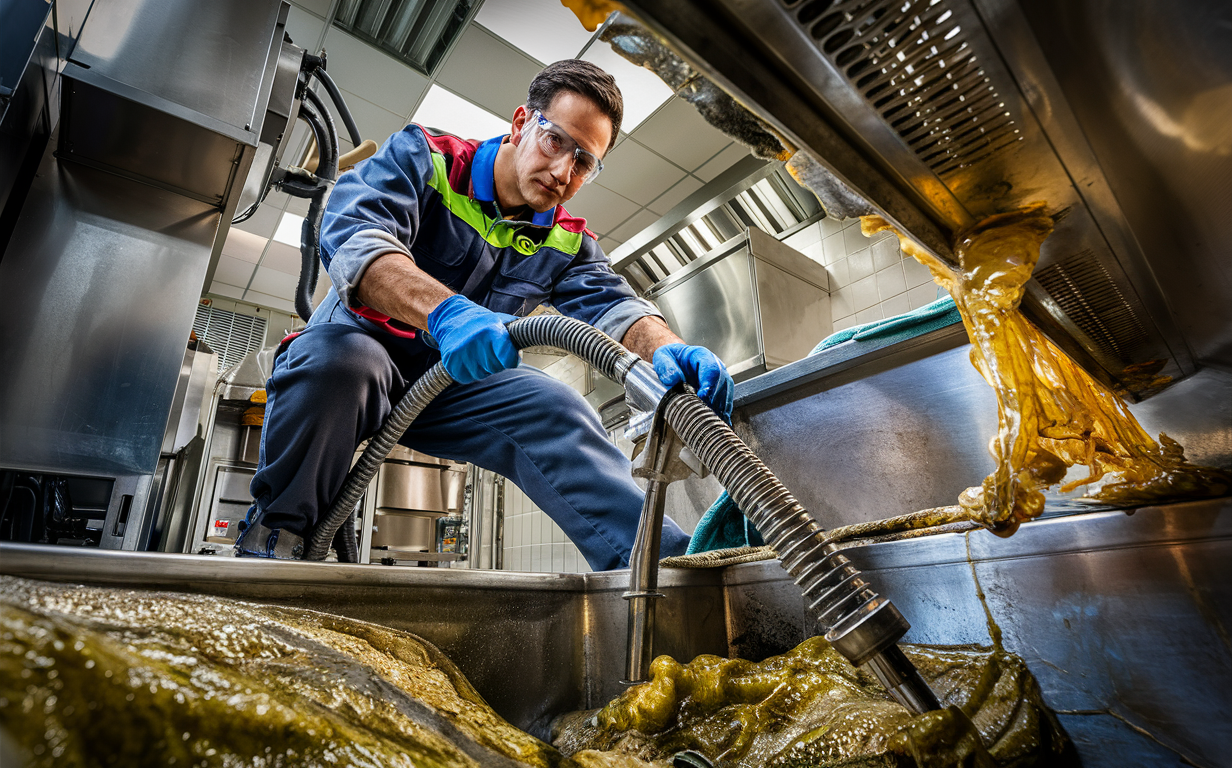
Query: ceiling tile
(674, 196)
(232, 271)
(276, 198)
(298, 206)
(374, 122)
(263, 222)
(271, 302)
(273, 282)
(282, 257)
(602, 208)
(642, 89)
(230, 291)
(305, 28)
(319, 7)
(639, 221)
(244, 246)
(372, 74)
(544, 29)
(681, 135)
(446, 111)
(608, 244)
(488, 71)
(637, 173)
(721, 162)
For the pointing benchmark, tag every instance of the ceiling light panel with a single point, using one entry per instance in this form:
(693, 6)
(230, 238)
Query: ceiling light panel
(289, 229)
(445, 111)
(545, 30)
(642, 89)
(417, 32)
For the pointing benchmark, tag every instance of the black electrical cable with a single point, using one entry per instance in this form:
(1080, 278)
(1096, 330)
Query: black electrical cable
(310, 235)
(343, 111)
(328, 151)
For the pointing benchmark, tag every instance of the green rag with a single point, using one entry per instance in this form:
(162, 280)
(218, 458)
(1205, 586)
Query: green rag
(929, 317)
(723, 526)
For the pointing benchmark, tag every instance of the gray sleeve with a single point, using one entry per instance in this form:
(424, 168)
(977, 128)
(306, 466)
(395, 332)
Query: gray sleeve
(354, 257)
(617, 321)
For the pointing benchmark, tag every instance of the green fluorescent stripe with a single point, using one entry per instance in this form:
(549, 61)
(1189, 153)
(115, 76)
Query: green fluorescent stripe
(496, 233)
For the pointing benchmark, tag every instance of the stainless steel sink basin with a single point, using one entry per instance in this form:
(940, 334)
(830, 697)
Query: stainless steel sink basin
(1124, 619)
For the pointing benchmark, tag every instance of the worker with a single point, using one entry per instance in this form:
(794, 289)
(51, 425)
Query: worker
(457, 238)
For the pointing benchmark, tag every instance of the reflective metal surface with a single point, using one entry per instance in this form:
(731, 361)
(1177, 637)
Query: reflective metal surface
(102, 278)
(29, 72)
(906, 427)
(113, 241)
(753, 301)
(211, 58)
(1121, 618)
(659, 465)
(1144, 92)
(411, 533)
(939, 114)
(409, 487)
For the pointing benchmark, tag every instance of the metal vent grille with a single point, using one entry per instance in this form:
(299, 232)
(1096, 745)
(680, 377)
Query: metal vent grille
(230, 334)
(909, 60)
(418, 32)
(1085, 292)
(774, 205)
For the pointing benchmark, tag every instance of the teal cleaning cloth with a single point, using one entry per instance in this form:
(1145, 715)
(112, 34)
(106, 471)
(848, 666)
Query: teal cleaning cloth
(723, 526)
(929, 317)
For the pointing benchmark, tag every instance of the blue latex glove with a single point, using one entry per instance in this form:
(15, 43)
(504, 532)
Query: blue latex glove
(699, 368)
(473, 340)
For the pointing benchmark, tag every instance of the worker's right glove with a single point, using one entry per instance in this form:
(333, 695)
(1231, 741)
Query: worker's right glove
(473, 340)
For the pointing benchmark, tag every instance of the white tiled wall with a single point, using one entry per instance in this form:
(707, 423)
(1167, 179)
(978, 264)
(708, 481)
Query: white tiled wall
(533, 542)
(870, 278)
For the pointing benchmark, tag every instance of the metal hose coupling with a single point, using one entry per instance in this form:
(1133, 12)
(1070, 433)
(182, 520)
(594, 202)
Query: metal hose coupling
(859, 623)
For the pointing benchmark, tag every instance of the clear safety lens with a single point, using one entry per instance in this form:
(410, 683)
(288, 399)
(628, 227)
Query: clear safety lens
(554, 142)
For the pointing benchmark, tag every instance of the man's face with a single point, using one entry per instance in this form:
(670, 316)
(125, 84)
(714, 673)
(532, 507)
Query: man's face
(544, 182)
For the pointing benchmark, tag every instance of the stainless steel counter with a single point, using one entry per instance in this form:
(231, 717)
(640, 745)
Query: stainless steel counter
(1124, 619)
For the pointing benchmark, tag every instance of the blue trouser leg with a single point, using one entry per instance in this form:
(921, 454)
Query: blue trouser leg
(333, 386)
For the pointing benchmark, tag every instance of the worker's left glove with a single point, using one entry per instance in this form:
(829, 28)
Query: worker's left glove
(699, 368)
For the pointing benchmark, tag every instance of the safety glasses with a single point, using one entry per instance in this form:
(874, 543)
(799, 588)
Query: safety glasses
(554, 142)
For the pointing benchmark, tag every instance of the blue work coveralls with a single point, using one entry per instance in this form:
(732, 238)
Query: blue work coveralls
(432, 198)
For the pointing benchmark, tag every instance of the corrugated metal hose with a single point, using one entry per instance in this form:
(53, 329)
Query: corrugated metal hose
(861, 624)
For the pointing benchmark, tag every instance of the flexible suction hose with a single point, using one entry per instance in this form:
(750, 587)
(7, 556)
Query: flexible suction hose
(862, 625)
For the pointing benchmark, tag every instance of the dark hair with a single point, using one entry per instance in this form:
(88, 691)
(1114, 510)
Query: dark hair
(584, 79)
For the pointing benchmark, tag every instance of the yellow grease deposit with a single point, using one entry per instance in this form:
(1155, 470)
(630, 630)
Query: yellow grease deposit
(95, 676)
(1052, 413)
(810, 707)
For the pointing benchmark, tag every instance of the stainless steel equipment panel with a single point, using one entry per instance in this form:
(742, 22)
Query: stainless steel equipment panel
(413, 533)
(211, 58)
(713, 307)
(102, 277)
(753, 301)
